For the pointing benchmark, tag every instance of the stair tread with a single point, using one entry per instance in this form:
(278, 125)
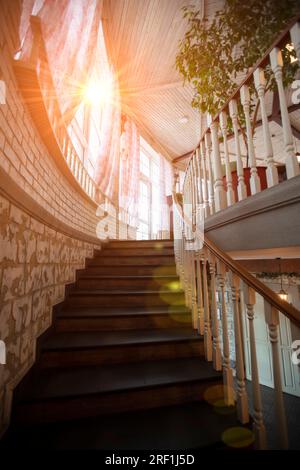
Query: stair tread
(154, 240)
(117, 276)
(132, 255)
(190, 426)
(91, 339)
(110, 312)
(146, 252)
(74, 381)
(124, 292)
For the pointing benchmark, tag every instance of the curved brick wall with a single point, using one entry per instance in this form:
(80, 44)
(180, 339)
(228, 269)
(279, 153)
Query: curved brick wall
(47, 229)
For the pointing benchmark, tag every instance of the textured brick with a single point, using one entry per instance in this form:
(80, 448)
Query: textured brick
(11, 155)
(13, 283)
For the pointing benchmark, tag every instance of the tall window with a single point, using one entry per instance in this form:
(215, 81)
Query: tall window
(86, 127)
(151, 197)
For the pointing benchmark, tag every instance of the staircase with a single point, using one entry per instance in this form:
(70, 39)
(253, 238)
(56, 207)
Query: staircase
(122, 341)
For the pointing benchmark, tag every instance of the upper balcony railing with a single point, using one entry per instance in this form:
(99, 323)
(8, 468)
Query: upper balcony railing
(213, 191)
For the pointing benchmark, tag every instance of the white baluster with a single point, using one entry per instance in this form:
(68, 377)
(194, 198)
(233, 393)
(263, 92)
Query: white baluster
(259, 427)
(229, 394)
(194, 291)
(254, 179)
(199, 187)
(242, 192)
(242, 400)
(230, 192)
(291, 163)
(205, 184)
(210, 173)
(200, 297)
(260, 84)
(194, 193)
(207, 326)
(295, 37)
(219, 191)
(272, 320)
(184, 270)
(217, 356)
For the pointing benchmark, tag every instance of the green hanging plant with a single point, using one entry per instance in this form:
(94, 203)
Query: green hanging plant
(213, 54)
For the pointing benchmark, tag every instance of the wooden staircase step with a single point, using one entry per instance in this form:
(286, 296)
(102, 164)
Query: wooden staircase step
(122, 340)
(121, 319)
(128, 270)
(145, 252)
(111, 347)
(121, 311)
(90, 282)
(158, 244)
(118, 298)
(68, 393)
(111, 260)
(182, 426)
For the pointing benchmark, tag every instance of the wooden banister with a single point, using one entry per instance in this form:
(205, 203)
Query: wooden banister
(284, 307)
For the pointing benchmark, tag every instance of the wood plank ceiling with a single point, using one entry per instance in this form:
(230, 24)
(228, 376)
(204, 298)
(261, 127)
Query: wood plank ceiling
(142, 40)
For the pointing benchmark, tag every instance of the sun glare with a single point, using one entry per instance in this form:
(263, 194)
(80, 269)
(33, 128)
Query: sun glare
(98, 91)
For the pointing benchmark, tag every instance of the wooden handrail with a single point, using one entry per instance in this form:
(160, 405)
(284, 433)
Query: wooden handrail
(284, 307)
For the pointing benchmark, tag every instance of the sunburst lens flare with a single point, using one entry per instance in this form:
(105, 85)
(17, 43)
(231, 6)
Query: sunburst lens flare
(173, 286)
(98, 91)
(238, 437)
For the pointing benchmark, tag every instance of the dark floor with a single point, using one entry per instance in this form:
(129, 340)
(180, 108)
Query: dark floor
(188, 426)
(292, 407)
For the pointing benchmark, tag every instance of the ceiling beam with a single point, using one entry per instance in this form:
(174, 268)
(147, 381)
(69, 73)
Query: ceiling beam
(182, 157)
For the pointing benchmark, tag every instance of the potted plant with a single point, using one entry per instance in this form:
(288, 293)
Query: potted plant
(213, 54)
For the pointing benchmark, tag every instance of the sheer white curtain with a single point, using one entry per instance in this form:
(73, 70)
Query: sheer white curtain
(166, 177)
(70, 30)
(129, 184)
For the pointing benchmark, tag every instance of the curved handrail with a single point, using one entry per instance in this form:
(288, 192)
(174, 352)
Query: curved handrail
(284, 307)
